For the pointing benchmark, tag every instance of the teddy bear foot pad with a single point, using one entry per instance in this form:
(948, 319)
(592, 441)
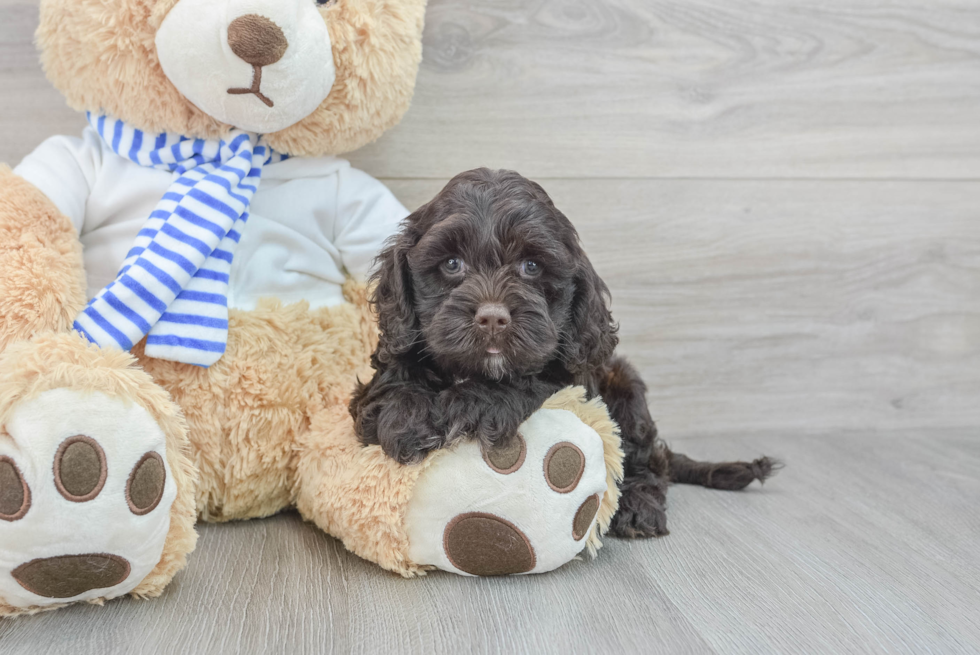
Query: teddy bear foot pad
(85, 497)
(527, 508)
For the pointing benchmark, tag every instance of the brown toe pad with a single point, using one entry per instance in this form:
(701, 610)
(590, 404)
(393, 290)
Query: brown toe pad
(67, 576)
(80, 469)
(146, 484)
(583, 517)
(507, 458)
(484, 544)
(15, 495)
(563, 467)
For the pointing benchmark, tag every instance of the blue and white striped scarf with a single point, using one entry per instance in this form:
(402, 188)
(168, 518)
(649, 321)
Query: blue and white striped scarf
(173, 285)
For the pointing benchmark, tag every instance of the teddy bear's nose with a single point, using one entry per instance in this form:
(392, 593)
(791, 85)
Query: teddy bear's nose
(256, 40)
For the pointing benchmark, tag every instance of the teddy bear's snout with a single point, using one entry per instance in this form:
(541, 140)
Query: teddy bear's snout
(256, 40)
(237, 59)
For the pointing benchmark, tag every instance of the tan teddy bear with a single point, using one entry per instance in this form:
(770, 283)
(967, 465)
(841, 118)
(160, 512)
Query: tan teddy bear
(183, 312)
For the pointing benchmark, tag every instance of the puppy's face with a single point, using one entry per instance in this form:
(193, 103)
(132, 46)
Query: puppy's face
(492, 283)
(491, 279)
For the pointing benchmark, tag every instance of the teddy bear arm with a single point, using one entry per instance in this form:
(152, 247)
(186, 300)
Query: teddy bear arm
(42, 279)
(367, 214)
(357, 494)
(466, 509)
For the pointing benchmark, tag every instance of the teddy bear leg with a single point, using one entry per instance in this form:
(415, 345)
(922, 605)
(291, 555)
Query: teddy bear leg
(96, 491)
(42, 280)
(357, 494)
(529, 506)
(526, 508)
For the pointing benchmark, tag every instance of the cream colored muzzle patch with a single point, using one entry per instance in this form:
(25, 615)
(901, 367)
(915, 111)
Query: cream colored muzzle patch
(258, 65)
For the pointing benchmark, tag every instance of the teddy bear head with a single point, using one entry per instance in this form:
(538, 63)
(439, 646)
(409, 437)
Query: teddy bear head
(316, 77)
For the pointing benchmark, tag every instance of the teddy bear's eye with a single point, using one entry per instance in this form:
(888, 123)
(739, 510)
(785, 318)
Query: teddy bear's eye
(325, 3)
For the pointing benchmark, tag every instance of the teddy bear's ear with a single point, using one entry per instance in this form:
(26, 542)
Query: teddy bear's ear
(175, 66)
(102, 57)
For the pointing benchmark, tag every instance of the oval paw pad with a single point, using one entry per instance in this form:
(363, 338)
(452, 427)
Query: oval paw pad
(67, 576)
(583, 517)
(563, 467)
(146, 484)
(80, 469)
(15, 495)
(484, 544)
(507, 458)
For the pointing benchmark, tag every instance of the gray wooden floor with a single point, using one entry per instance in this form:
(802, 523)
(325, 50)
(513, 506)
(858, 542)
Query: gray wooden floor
(866, 543)
(785, 200)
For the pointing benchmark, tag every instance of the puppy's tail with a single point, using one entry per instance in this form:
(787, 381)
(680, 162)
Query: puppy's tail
(730, 476)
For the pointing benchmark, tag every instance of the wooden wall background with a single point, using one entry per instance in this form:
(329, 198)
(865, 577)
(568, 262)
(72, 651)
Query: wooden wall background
(784, 197)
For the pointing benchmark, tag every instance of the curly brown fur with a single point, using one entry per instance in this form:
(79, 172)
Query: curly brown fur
(487, 305)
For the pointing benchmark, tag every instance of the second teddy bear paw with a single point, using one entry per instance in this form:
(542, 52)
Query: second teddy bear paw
(524, 508)
(85, 497)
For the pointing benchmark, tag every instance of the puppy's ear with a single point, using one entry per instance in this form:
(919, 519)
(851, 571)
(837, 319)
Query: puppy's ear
(591, 338)
(393, 299)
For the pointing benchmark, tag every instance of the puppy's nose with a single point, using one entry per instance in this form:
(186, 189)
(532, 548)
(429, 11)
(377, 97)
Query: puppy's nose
(492, 318)
(256, 40)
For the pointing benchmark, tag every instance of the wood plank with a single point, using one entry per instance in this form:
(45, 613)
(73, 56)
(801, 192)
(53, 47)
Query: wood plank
(862, 544)
(31, 110)
(801, 306)
(694, 88)
(634, 88)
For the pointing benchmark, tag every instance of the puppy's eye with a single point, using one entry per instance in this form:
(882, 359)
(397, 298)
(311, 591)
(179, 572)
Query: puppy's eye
(530, 268)
(452, 265)
(325, 3)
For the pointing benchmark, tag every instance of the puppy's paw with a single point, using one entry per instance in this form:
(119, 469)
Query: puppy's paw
(527, 505)
(493, 434)
(407, 437)
(400, 423)
(412, 444)
(475, 412)
(85, 498)
(642, 508)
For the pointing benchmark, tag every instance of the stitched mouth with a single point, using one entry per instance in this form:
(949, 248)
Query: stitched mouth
(254, 89)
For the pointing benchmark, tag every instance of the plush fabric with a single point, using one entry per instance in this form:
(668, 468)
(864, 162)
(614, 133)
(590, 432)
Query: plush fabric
(112, 66)
(173, 285)
(593, 414)
(464, 495)
(101, 522)
(42, 285)
(66, 362)
(108, 457)
(263, 58)
(358, 494)
(249, 413)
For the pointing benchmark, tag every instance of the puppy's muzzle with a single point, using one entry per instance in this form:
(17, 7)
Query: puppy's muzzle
(492, 318)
